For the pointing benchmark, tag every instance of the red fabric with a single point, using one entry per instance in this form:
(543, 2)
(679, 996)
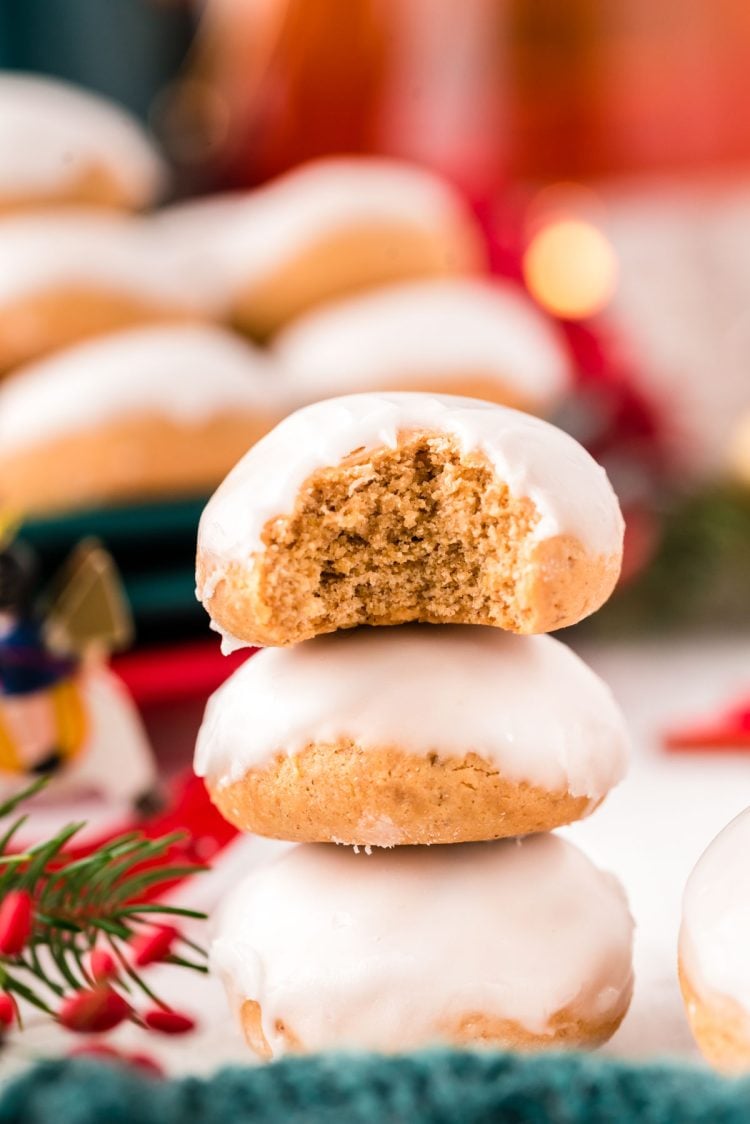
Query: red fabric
(189, 811)
(730, 730)
(174, 673)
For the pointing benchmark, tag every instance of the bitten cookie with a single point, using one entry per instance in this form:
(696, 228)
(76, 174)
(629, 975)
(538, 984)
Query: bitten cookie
(69, 275)
(417, 734)
(60, 144)
(386, 508)
(521, 944)
(323, 230)
(151, 412)
(714, 951)
(456, 336)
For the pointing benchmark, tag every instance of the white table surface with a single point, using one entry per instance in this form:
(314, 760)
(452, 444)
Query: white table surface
(650, 832)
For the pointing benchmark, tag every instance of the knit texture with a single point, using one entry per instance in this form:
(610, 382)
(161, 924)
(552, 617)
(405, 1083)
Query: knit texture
(428, 1088)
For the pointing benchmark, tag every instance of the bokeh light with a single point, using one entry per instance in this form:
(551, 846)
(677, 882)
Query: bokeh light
(570, 268)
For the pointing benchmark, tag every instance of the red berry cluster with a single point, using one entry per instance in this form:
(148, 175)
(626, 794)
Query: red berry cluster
(100, 1007)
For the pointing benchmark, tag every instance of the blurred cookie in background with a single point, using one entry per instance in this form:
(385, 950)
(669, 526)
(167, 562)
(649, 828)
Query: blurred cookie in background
(466, 336)
(324, 230)
(60, 144)
(156, 412)
(69, 274)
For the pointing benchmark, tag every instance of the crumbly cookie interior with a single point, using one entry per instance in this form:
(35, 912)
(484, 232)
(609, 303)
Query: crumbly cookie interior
(417, 532)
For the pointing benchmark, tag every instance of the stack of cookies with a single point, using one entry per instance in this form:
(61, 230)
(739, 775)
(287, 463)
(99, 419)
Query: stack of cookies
(394, 553)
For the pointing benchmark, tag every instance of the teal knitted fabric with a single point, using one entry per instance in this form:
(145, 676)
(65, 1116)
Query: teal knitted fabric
(428, 1088)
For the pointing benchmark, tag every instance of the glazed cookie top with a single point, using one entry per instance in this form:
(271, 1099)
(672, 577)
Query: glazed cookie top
(91, 248)
(383, 951)
(428, 329)
(50, 132)
(569, 489)
(528, 705)
(242, 238)
(186, 373)
(715, 935)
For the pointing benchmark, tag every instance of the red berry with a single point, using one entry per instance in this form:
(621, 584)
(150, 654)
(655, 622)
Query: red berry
(93, 1010)
(152, 944)
(168, 1022)
(94, 1050)
(16, 922)
(7, 1011)
(102, 965)
(145, 1061)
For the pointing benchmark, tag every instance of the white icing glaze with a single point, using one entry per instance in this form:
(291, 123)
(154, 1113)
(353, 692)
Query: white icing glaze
(379, 952)
(185, 373)
(51, 132)
(569, 489)
(715, 935)
(239, 239)
(205, 239)
(423, 330)
(81, 246)
(448, 689)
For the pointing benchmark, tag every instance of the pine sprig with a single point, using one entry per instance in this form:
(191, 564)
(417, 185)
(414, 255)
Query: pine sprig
(76, 905)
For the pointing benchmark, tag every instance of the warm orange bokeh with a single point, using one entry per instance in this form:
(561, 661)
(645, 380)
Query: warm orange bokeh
(575, 89)
(570, 268)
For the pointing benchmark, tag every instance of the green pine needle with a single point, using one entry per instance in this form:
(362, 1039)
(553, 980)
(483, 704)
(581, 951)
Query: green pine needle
(106, 896)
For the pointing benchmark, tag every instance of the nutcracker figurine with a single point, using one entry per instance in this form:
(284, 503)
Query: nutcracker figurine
(62, 711)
